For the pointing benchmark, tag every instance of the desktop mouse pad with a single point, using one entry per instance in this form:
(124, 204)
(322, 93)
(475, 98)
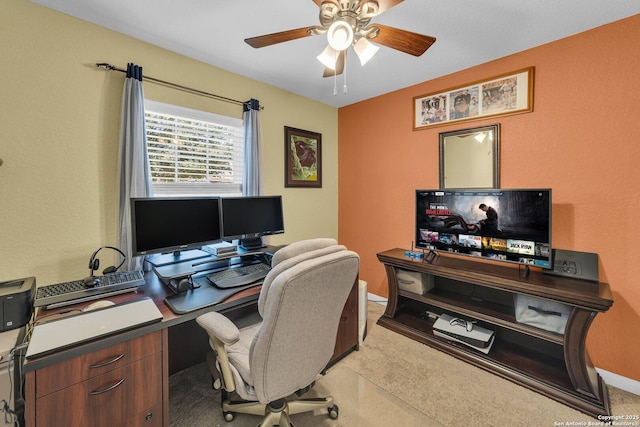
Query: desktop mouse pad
(203, 296)
(59, 334)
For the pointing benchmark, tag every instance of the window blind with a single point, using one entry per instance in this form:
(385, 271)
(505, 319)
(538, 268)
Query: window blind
(193, 152)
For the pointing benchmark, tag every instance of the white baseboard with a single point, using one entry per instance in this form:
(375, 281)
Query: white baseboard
(618, 381)
(376, 298)
(615, 380)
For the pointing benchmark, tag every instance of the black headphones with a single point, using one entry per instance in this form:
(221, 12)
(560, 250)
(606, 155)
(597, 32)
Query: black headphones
(94, 263)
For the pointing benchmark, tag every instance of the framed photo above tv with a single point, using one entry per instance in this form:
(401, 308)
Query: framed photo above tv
(505, 94)
(303, 158)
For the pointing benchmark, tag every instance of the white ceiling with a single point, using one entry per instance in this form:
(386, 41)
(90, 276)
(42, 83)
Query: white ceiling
(468, 33)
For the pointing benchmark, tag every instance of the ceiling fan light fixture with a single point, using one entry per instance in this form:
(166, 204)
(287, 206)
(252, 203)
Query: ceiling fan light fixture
(340, 35)
(328, 57)
(365, 50)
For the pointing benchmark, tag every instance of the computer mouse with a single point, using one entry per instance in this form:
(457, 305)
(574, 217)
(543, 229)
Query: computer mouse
(98, 304)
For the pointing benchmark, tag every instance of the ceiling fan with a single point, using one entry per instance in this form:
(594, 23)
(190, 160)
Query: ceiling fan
(347, 23)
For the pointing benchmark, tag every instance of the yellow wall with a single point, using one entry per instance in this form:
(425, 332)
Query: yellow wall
(580, 140)
(60, 123)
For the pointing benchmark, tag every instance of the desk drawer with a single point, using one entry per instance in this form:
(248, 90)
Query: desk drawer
(111, 399)
(64, 374)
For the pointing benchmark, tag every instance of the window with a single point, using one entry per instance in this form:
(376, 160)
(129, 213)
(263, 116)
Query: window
(193, 152)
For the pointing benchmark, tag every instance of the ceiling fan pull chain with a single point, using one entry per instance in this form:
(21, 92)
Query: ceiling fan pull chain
(344, 88)
(335, 75)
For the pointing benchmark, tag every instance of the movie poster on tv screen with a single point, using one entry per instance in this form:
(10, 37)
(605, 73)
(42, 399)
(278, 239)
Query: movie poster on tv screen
(508, 225)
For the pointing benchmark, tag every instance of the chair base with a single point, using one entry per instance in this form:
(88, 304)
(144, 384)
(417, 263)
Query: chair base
(278, 413)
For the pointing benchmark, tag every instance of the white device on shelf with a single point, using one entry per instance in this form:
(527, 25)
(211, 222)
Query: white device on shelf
(459, 330)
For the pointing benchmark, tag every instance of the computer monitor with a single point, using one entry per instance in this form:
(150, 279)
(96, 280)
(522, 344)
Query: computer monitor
(250, 218)
(179, 226)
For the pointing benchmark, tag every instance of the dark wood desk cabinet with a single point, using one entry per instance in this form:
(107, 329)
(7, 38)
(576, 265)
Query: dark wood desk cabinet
(119, 385)
(554, 364)
(123, 380)
(347, 337)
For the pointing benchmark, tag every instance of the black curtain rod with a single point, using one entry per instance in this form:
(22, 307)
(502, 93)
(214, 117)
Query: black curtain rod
(109, 67)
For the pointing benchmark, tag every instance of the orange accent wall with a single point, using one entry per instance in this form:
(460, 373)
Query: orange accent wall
(582, 140)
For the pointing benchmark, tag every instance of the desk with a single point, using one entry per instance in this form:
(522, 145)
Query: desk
(151, 355)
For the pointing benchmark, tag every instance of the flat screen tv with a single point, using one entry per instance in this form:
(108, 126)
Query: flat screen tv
(173, 225)
(250, 218)
(512, 225)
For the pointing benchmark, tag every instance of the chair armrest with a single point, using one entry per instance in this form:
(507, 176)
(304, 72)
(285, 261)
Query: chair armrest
(220, 327)
(221, 331)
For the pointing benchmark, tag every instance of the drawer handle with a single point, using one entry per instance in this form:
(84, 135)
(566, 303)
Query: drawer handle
(95, 392)
(100, 365)
(547, 312)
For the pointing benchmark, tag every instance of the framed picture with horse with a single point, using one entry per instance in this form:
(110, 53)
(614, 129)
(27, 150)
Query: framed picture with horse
(303, 158)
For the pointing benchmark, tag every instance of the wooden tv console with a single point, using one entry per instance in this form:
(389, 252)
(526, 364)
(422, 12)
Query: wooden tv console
(555, 365)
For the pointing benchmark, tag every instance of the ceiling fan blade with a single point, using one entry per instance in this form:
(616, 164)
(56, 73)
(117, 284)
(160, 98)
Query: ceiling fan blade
(283, 36)
(328, 72)
(405, 41)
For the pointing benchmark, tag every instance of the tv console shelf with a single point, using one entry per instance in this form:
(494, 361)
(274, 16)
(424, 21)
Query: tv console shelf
(554, 364)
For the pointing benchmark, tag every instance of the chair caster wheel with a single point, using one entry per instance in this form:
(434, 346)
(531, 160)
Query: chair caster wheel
(333, 412)
(216, 384)
(228, 416)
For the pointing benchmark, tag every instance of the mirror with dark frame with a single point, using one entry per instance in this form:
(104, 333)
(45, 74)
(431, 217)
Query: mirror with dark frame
(470, 158)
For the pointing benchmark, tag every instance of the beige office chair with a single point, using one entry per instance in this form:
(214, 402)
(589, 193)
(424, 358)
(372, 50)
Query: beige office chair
(300, 303)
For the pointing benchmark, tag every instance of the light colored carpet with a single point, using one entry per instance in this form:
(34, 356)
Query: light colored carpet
(360, 402)
(395, 381)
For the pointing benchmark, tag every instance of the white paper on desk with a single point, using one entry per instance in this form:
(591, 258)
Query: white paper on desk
(59, 334)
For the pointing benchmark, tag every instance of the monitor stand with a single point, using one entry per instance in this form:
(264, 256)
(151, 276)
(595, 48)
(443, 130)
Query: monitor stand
(251, 244)
(176, 257)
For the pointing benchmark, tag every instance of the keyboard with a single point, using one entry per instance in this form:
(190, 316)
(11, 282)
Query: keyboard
(239, 276)
(67, 293)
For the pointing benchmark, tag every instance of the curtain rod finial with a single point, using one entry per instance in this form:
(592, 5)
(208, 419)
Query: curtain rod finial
(105, 66)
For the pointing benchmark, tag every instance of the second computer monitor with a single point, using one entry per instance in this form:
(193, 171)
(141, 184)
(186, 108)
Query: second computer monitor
(250, 218)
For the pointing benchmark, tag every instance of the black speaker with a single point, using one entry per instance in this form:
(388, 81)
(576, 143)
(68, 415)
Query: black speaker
(94, 264)
(574, 264)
